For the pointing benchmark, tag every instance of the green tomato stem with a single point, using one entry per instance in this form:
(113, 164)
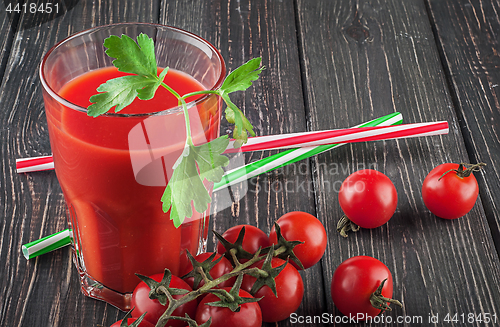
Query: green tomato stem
(378, 301)
(234, 257)
(463, 173)
(240, 269)
(345, 225)
(205, 277)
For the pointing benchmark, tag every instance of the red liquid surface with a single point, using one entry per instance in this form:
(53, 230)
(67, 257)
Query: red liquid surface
(113, 172)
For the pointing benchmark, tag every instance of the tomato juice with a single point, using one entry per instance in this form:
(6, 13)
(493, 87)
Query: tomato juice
(113, 170)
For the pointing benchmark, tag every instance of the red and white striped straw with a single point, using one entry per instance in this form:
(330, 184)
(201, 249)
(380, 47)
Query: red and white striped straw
(296, 140)
(339, 136)
(26, 165)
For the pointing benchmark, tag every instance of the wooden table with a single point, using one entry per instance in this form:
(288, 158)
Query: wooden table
(330, 64)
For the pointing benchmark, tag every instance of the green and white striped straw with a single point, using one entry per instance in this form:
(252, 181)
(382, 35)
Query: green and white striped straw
(290, 156)
(63, 238)
(47, 244)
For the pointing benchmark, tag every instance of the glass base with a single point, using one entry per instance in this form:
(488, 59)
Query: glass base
(93, 289)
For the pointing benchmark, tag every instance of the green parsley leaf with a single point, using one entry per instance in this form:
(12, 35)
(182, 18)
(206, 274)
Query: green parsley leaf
(148, 91)
(130, 58)
(185, 188)
(239, 80)
(242, 77)
(121, 92)
(241, 123)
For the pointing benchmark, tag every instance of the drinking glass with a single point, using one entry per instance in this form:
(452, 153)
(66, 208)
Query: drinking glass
(113, 169)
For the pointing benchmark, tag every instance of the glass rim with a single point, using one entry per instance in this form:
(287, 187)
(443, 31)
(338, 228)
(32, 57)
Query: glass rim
(190, 104)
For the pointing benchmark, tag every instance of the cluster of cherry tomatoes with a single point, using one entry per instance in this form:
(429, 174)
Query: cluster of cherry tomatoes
(309, 240)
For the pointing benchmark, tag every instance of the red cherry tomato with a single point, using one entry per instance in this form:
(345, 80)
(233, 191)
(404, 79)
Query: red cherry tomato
(249, 314)
(354, 281)
(253, 239)
(289, 289)
(221, 268)
(142, 303)
(304, 227)
(368, 198)
(144, 323)
(451, 196)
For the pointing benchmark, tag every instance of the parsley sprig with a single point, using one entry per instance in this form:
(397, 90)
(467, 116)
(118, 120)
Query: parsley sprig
(185, 189)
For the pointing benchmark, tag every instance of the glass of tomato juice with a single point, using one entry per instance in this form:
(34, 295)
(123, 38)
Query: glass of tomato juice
(113, 169)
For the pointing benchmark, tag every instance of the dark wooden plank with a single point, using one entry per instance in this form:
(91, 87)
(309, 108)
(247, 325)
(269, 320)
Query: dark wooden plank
(7, 25)
(364, 59)
(44, 291)
(360, 60)
(243, 30)
(468, 36)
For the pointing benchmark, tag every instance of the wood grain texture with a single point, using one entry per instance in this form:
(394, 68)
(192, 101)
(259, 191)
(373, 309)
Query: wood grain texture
(367, 59)
(329, 64)
(6, 23)
(468, 36)
(44, 291)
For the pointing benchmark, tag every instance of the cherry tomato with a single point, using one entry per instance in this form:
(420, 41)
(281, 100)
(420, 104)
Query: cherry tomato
(249, 314)
(289, 289)
(144, 323)
(368, 198)
(449, 196)
(354, 281)
(253, 239)
(221, 268)
(304, 227)
(142, 303)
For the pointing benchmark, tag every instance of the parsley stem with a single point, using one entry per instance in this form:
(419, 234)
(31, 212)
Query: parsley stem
(189, 140)
(185, 96)
(182, 99)
(182, 102)
(171, 90)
